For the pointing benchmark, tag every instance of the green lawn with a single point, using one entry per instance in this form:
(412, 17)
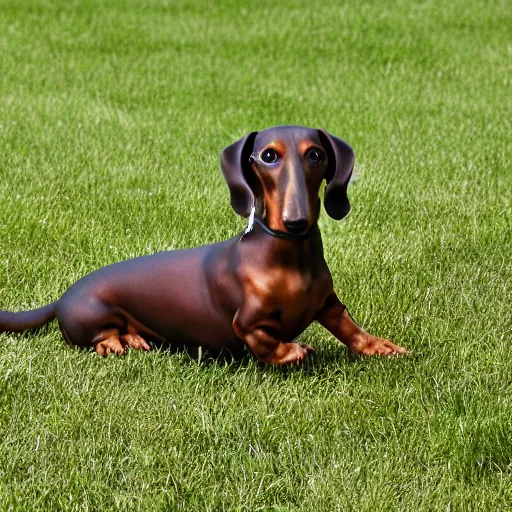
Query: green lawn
(112, 117)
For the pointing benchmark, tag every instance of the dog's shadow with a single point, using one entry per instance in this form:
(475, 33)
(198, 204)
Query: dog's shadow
(328, 359)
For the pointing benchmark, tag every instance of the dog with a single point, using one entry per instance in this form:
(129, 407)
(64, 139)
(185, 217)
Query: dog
(260, 289)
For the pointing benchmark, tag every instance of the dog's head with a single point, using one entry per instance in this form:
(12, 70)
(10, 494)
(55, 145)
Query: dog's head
(280, 170)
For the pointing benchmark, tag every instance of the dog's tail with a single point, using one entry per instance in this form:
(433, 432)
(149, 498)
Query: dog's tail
(17, 322)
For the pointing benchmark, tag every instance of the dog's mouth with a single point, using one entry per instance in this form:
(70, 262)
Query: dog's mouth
(296, 227)
(303, 234)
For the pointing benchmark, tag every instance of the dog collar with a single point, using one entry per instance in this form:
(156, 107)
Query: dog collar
(286, 236)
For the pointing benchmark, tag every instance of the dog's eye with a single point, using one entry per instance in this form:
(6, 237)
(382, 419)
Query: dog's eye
(269, 156)
(314, 156)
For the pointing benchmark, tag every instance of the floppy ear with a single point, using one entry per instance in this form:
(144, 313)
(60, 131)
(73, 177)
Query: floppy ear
(234, 162)
(341, 163)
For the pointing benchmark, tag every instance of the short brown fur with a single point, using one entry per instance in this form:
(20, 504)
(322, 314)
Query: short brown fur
(258, 290)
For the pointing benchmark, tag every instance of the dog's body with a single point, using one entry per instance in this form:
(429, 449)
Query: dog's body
(260, 289)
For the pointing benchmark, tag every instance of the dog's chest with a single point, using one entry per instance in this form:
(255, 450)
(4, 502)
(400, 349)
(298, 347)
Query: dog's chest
(289, 296)
(278, 284)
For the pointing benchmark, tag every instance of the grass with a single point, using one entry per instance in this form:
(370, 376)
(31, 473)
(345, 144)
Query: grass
(112, 117)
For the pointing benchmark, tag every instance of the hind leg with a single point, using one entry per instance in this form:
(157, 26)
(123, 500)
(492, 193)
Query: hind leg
(134, 340)
(89, 322)
(110, 343)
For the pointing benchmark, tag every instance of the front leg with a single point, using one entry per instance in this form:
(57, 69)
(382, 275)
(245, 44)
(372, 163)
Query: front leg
(251, 323)
(335, 317)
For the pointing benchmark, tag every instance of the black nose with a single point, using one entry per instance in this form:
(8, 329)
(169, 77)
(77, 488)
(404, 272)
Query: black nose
(296, 226)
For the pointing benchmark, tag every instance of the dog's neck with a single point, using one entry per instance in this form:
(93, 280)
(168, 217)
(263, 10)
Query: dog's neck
(277, 247)
(287, 244)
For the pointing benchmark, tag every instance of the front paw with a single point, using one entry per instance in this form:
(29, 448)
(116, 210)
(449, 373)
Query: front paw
(303, 351)
(309, 349)
(368, 345)
(291, 353)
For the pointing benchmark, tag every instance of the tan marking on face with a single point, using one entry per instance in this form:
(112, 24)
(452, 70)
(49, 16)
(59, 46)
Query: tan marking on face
(277, 145)
(274, 214)
(305, 144)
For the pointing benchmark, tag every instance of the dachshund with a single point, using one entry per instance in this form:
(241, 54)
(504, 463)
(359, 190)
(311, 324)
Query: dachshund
(258, 290)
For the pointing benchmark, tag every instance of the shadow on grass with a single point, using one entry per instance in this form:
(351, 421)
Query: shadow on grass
(330, 359)
(327, 361)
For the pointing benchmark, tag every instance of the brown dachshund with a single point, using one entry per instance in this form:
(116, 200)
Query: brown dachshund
(261, 288)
